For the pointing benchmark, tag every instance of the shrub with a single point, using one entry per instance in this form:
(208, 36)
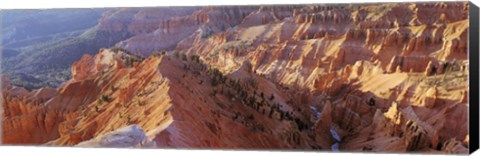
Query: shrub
(371, 102)
(213, 82)
(105, 98)
(271, 113)
(118, 49)
(112, 88)
(102, 99)
(237, 115)
(229, 94)
(260, 127)
(129, 62)
(184, 57)
(195, 58)
(272, 97)
(250, 117)
(155, 54)
(214, 92)
(129, 119)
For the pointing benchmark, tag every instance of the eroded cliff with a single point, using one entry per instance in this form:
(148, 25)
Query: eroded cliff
(363, 77)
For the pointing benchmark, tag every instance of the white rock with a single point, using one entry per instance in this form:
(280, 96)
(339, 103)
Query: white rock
(130, 136)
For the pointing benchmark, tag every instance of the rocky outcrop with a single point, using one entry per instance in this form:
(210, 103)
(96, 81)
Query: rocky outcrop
(54, 113)
(415, 136)
(268, 14)
(81, 70)
(5, 82)
(430, 97)
(408, 64)
(139, 20)
(131, 136)
(170, 31)
(454, 146)
(299, 45)
(150, 95)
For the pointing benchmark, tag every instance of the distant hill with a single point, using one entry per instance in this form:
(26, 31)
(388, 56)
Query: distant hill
(42, 44)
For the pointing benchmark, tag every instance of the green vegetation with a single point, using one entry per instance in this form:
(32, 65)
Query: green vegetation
(245, 91)
(129, 119)
(158, 53)
(155, 54)
(118, 49)
(195, 58)
(184, 56)
(452, 74)
(103, 99)
(217, 77)
(113, 88)
(129, 62)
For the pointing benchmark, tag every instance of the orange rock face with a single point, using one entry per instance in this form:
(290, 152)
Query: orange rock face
(374, 77)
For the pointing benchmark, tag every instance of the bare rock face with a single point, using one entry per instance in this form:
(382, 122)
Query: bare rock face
(431, 69)
(264, 15)
(415, 136)
(168, 32)
(81, 70)
(454, 146)
(137, 21)
(40, 116)
(131, 136)
(46, 93)
(302, 44)
(17, 123)
(5, 82)
(393, 114)
(113, 97)
(408, 64)
(430, 97)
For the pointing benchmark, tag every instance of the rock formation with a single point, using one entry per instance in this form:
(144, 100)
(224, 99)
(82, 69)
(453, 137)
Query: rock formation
(131, 136)
(371, 77)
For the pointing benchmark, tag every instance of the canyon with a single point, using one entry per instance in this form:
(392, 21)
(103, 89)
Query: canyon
(388, 77)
